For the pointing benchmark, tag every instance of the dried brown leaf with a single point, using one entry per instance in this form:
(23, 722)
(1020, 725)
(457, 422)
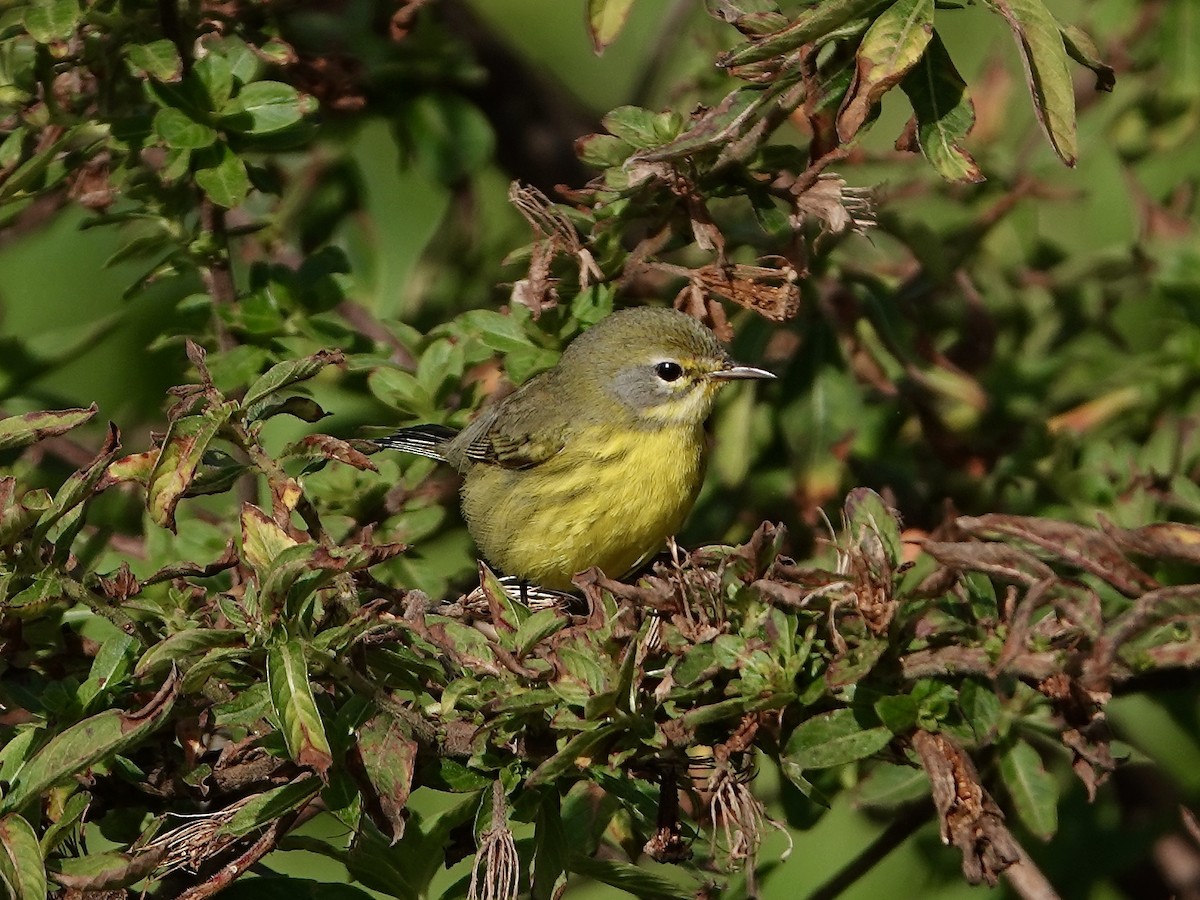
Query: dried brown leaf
(1085, 548)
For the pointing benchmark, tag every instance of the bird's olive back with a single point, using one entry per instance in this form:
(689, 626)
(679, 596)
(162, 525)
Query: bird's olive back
(644, 357)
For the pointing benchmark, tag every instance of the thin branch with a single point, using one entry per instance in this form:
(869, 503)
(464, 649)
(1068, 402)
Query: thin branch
(218, 274)
(229, 872)
(368, 325)
(1027, 879)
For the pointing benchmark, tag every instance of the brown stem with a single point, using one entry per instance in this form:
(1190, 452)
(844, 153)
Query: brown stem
(168, 19)
(1027, 879)
(229, 872)
(218, 274)
(367, 324)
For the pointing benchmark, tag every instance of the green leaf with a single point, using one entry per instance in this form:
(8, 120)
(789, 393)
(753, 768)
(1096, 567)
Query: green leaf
(265, 808)
(511, 613)
(216, 76)
(405, 870)
(387, 754)
(31, 176)
(980, 708)
(19, 431)
(833, 739)
(605, 20)
(890, 786)
(305, 409)
(158, 59)
(1082, 49)
(565, 759)
(263, 107)
(22, 869)
(263, 541)
(85, 744)
(225, 181)
(69, 820)
(106, 871)
(287, 373)
(244, 63)
(944, 114)
(815, 22)
(1033, 790)
(15, 753)
(1047, 71)
(296, 709)
(182, 449)
(602, 150)
(635, 880)
(48, 21)
(182, 645)
(448, 137)
(858, 660)
(890, 48)
(874, 528)
(79, 487)
(537, 628)
(499, 332)
(401, 390)
(551, 850)
(13, 147)
(642, 128)
(110, 668)
(898, 714)
(181, 131)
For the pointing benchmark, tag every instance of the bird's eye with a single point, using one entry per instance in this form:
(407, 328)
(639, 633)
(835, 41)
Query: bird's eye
(668, 371)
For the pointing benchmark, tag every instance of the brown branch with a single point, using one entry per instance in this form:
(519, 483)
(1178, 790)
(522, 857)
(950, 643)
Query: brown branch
(218, 274)
(229, 872)
(1027, 879)
(366, 324)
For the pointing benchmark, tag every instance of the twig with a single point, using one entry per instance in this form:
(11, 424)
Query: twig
(367, 324)
(1027, 879)
(218, 274)
(229, 872)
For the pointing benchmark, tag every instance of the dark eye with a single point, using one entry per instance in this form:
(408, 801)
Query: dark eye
(668, 371)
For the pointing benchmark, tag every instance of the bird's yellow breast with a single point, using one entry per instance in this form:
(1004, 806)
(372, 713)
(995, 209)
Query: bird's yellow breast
(610, 498)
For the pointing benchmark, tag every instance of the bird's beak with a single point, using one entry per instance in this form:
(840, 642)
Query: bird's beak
(740, 373)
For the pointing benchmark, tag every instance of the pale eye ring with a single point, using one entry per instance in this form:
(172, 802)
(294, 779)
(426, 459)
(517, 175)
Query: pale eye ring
(668, 371)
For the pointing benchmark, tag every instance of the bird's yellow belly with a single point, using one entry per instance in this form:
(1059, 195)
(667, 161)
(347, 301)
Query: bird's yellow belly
(604, 500)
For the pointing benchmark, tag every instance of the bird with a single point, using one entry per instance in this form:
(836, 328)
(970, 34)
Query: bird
(598, 460)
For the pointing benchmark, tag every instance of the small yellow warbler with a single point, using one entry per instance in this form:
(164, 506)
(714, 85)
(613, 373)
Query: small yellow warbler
(595, 462)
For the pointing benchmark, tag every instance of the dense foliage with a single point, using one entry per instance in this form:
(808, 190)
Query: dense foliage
(223, 635)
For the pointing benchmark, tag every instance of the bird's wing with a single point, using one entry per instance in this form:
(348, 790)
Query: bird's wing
(521, 431)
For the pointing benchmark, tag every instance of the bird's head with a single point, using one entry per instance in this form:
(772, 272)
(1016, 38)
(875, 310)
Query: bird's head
(659, 364)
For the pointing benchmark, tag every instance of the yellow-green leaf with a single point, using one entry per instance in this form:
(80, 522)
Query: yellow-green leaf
(605, 20)
(943, 114)
(19, 431)
(22, 869)
(180, 455)
(1047, 70)
(890, 48)
(295, 707)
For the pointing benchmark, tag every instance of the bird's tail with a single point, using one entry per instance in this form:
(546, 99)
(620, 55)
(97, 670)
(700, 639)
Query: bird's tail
(423, 440)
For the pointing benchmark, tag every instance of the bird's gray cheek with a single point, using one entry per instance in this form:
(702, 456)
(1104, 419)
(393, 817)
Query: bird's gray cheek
(634, 389)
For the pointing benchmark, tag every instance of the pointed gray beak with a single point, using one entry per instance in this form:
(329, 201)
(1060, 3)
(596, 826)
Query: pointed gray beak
(740, 373)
